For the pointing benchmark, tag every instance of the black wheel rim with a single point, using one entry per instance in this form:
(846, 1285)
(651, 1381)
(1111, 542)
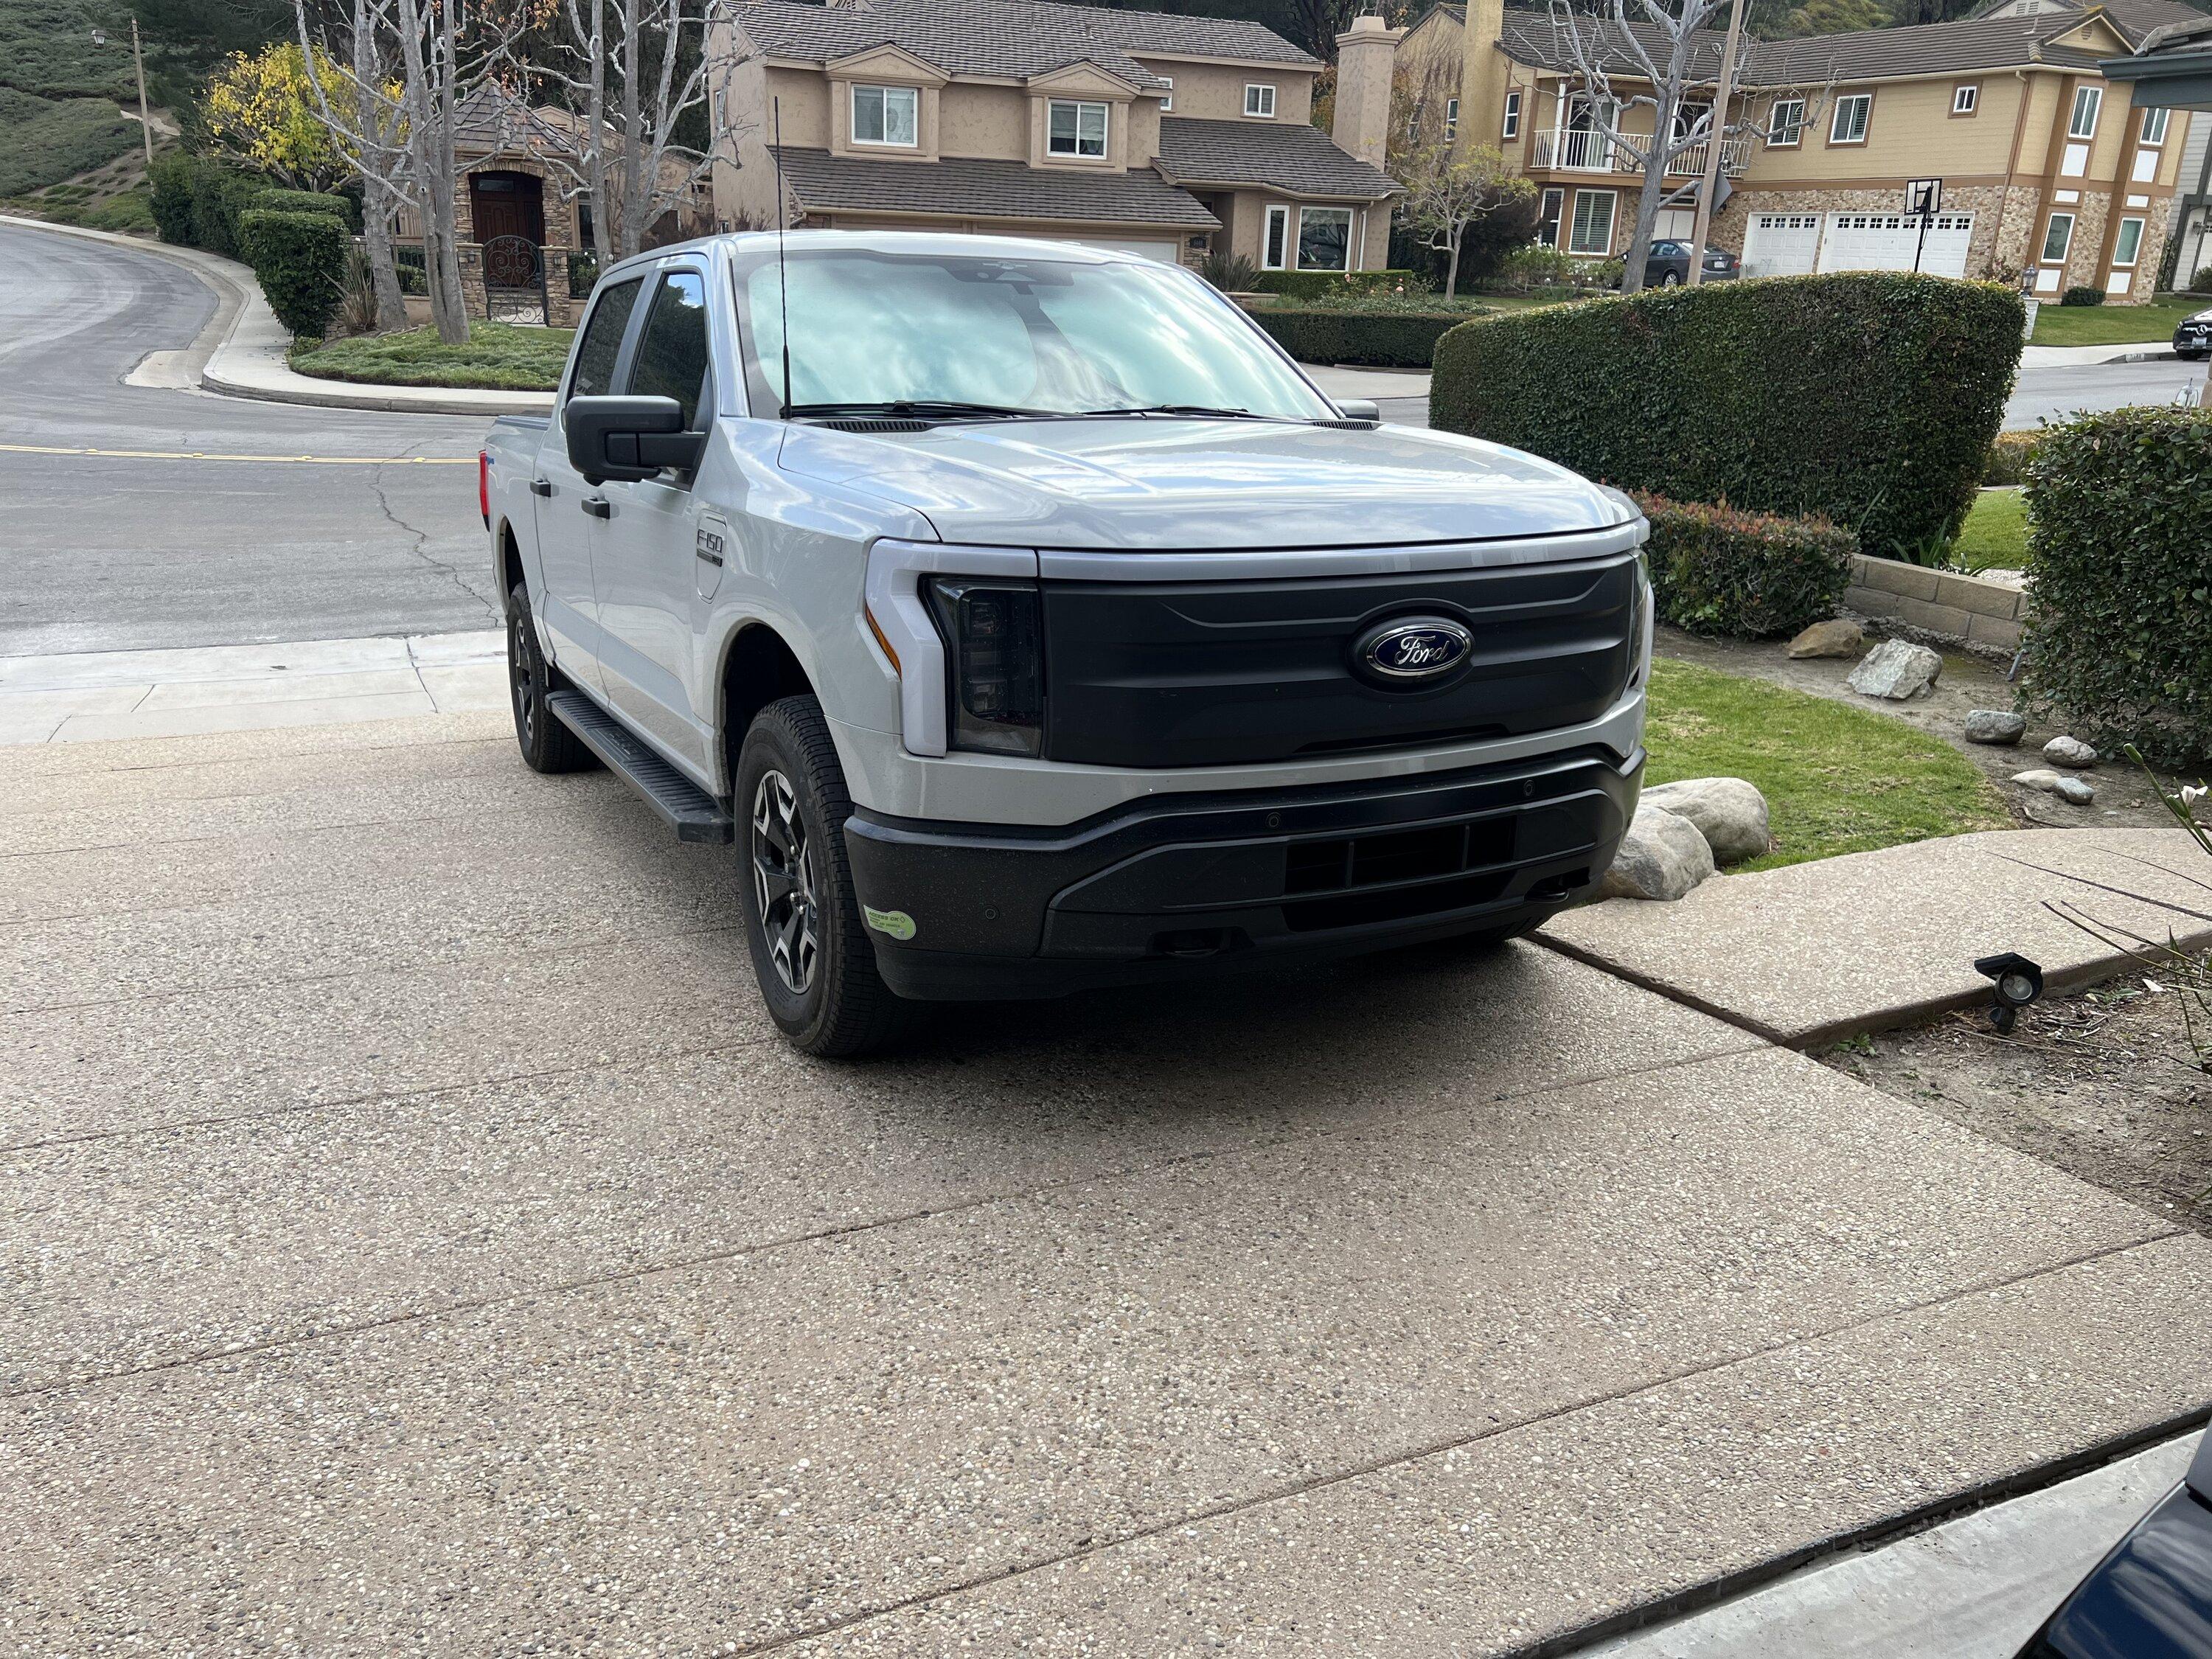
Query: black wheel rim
(784, 884)
(522, 674)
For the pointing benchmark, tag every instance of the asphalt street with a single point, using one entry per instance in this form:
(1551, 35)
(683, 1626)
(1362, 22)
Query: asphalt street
(118, 551)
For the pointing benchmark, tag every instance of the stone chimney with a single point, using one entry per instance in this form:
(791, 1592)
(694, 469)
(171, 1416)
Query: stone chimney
(1365, 55)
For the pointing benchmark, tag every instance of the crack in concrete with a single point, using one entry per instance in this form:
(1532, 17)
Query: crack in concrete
(419, 549)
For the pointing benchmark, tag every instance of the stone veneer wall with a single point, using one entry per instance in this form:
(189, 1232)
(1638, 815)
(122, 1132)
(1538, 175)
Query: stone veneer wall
(1966, 608)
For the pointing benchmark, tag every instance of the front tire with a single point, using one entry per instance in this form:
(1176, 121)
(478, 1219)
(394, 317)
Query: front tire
(547, 745)
(810, 948)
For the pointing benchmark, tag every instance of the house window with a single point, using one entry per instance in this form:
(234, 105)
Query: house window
(1966, 98)
(1259, 99)
(1547, 217)
(1850, 126)
(1277, 248)
(1324, 239)
(2058, 237)
(2129, 242)
(1592, 230)
(1512, 127)
(886, 115)
(2154, 130)
(1451, 119)
(1073, 129)
(1785, 123)
(2087, 100)
(1167, 92)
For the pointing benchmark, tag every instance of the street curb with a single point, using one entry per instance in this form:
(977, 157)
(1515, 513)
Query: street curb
(255, 368)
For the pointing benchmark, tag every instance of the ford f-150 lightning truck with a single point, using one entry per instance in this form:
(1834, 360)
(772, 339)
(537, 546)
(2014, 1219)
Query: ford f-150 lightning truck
(1030, 621)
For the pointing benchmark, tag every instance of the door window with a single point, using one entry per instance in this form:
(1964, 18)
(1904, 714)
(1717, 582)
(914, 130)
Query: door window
(602, 338)
(671, 353)
(1547, 217)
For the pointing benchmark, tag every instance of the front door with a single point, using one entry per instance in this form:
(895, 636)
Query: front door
(567, 605)
(644, 552)
(508, 204)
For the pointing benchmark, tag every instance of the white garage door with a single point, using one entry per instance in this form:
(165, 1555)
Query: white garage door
(1165, 252)
(1780, 244)
(1888, 241)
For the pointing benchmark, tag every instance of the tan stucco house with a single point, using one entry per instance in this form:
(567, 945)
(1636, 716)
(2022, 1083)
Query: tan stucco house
(2048, 175)
(1167, 135)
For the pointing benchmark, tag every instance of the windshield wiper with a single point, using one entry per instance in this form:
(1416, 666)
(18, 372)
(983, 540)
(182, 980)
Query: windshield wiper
(1179, 409)
(923, 407)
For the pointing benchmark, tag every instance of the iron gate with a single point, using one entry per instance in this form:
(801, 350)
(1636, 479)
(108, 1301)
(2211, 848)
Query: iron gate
(514, 280)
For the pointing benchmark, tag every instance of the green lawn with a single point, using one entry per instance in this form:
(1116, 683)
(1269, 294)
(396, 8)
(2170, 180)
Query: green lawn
(499, 357)
(1994, 535)
(2111, 325)
(1836, 779)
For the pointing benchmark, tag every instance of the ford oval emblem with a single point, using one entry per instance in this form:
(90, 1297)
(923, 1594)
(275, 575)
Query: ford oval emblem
(1410, 650)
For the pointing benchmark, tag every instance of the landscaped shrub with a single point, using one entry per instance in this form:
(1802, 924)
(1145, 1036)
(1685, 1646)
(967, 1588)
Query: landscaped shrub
(2119, 611)
(169, 187)
(1743, 575)
(1232, 273)
(300, 259)
(1868, 399)
(2082, 295)
(1538, 268)
(1322, 284)
(1385, 339)
(2010, 454)
(303, 201)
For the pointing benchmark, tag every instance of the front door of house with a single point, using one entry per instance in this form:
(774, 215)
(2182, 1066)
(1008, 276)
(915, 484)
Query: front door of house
(508, 204)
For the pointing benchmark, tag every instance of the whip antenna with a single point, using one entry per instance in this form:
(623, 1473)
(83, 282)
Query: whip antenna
(782, 287)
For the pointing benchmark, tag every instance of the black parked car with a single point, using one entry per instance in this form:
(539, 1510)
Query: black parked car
(2193, 337)
(2151, 1598)
(1669, 265)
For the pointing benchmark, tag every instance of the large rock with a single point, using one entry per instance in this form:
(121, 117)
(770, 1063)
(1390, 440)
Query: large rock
(1662, 856)
(1897, 669)
(1729, 814)
(2066, 787)
(1839, 636)
(1995, 726)
(2068, 751)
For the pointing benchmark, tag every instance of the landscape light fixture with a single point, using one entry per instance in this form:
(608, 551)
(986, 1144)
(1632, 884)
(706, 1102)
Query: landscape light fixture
(2014, 981)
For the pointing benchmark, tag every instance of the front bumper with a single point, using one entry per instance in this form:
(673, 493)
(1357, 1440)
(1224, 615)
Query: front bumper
(1177, 885)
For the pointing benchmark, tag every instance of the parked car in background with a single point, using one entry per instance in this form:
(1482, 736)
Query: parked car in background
(2193, 338)
(1030, 621)
(1669, 265)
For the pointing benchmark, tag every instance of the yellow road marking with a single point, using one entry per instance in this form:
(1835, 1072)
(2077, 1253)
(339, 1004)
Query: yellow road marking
(214, 455)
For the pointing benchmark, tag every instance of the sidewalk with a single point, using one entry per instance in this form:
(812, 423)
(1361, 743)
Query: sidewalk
(2137, 351)
(89, 696)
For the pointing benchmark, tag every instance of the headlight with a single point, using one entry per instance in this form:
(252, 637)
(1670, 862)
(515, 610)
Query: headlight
(995, 663)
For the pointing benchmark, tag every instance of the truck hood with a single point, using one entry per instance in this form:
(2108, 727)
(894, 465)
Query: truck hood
(1154, 484)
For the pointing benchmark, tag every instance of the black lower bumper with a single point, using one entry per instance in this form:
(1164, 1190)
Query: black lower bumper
(1189, 884)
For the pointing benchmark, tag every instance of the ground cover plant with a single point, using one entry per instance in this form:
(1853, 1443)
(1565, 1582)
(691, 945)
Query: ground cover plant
(499, 356)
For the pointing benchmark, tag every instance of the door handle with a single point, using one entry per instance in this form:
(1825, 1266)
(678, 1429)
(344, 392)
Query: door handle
(541, 487)
(599, 507)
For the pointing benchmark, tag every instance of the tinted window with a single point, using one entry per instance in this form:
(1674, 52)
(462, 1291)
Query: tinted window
(603, 338)
(671, 353)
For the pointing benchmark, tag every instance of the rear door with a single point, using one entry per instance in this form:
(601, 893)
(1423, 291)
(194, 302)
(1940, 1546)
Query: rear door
(568, 606)
(644, 551)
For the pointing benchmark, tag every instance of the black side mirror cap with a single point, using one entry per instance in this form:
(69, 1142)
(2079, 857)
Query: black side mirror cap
(629, 438)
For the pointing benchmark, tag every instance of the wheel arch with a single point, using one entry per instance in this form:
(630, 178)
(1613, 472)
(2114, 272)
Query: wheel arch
(758, 667)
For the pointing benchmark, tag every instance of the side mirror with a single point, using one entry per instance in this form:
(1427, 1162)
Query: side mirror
(1358, 408)
(629, 438)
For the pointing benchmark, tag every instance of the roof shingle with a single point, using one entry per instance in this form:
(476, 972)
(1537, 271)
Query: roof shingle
(1298, 159)
(822, 182)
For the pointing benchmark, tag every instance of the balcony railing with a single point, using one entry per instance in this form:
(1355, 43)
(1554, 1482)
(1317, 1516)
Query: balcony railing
(1588, 150)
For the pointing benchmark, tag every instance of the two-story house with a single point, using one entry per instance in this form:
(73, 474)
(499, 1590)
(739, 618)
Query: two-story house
(1170, 136)
(2047, 175)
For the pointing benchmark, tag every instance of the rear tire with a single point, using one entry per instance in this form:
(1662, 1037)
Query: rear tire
(547, 745)
(810, 952)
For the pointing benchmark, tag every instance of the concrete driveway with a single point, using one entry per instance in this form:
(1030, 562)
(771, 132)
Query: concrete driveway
(417, 1240)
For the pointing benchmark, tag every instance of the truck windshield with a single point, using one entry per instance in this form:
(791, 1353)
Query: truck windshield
(1019, 334)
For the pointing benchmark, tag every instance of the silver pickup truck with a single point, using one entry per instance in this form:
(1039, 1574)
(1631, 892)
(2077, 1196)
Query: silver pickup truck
(1031, 622)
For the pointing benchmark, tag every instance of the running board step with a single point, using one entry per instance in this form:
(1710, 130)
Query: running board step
(690, 810)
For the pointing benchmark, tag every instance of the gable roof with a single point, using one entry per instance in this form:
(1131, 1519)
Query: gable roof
(1297, 158)
(1010, 39)
(971, 185)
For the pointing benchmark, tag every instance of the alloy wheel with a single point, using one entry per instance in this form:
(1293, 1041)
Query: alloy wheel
(522, 672)
(784, 883)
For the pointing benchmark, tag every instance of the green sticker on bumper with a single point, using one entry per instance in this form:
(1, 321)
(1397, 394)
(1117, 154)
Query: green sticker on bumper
(897, 923)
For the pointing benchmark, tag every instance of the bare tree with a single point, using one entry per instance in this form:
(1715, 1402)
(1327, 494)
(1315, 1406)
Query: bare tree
(379, 204)
(1449, 192)
(628, 93)
(440, 51)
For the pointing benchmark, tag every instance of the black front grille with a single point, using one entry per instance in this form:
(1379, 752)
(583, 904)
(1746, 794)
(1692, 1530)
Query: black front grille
(1346, 879)
(1236, 673)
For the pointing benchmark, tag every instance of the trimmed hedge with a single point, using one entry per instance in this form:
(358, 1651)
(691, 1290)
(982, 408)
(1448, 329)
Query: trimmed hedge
(303, 201)
(1386, 339)
(1322, 284)
(2010, 454)
(2082, 295)
(196, 203)
(1868, 398)
(2119, 611)
(300, 259)
(1743, 575)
